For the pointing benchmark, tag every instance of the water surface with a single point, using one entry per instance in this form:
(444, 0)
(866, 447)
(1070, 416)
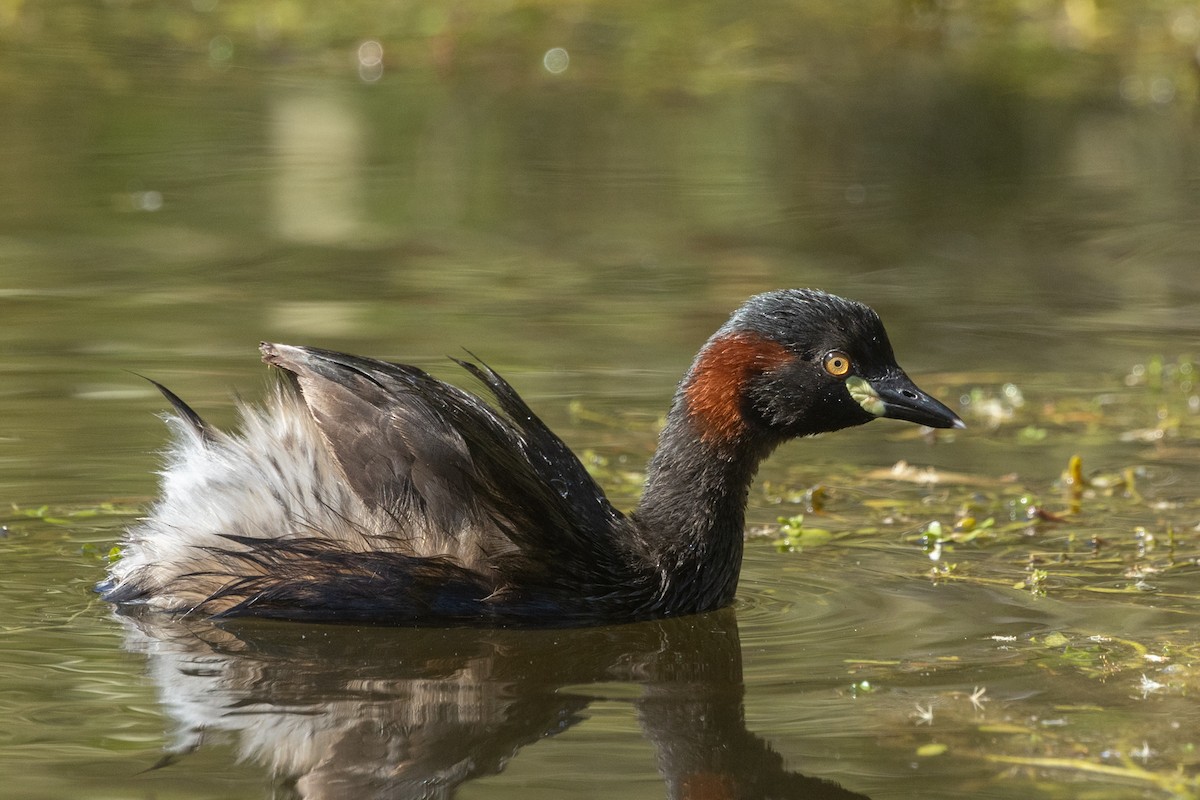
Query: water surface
(1016, 193)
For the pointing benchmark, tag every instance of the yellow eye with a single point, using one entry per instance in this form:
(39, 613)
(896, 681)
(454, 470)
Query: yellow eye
(837, 363)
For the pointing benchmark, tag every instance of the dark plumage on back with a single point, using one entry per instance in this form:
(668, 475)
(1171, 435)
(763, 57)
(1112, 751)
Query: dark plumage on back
(368, 490)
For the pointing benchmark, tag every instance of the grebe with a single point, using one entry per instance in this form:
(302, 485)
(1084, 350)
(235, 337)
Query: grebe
(368, 491)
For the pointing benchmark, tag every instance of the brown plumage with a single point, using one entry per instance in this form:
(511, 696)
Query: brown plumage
(370, 491)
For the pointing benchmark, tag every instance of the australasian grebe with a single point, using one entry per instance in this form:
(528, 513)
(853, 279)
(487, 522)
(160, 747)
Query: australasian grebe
(369, 491)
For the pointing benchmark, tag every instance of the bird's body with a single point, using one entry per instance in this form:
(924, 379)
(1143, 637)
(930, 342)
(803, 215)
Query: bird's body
(363, 490)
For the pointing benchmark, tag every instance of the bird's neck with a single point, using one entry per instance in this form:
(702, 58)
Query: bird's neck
(692, 514)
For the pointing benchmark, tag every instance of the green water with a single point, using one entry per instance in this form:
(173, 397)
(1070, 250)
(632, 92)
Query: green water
(1015, 190)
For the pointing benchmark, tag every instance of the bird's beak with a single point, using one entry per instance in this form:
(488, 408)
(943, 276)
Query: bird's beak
(895, 395)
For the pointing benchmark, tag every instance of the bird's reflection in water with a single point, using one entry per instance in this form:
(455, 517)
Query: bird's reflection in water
(339, 712)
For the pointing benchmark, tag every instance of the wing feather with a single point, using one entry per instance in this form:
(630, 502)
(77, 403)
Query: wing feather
(406, 441)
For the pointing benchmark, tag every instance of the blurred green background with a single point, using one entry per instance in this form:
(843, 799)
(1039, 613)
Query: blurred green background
(562, 186)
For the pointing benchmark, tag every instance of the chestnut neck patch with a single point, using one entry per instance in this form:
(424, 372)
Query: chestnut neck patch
(716, 383)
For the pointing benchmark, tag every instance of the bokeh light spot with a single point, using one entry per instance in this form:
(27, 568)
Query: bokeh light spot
(556, 60)
(370, 61)
(220, 49)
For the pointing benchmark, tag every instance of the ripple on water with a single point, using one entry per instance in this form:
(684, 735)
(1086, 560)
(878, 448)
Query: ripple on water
(818, 609)
(830, 607)
(815, 625)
